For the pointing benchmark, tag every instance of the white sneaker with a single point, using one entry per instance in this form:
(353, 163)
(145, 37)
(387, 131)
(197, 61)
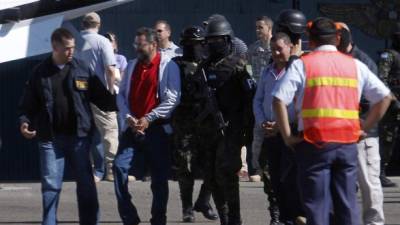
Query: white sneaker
(301, 220)
(131, 178)
(96, 179)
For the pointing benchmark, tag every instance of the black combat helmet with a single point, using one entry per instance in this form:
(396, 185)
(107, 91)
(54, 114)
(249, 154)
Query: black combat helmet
(192, 33)
(293, 20)
(219, 27)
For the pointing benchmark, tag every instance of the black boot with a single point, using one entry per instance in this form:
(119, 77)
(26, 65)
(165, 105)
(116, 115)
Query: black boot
(203, 204)
(186, 189)
(385, 182)
(223, 215)
(233, 199)
(188, 215)
(274, 213)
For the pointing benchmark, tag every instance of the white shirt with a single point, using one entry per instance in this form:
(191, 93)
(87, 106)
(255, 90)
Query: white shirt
(61, 66)
(172, 51)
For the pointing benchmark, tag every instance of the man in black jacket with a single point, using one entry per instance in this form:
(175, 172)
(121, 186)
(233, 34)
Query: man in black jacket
(55, 108)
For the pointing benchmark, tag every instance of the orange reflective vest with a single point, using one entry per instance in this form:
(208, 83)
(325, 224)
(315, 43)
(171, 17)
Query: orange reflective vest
(331, 103)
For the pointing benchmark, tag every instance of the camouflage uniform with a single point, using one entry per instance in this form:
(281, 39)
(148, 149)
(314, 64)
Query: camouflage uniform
(188, 160)
(389, 73)
(259, 57)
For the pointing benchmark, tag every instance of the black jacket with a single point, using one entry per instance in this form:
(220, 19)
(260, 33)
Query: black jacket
(36, 104)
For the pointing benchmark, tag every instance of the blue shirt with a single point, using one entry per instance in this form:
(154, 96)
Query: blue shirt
(293, 84)
(262, 102)
(121, 62)
(98, 53)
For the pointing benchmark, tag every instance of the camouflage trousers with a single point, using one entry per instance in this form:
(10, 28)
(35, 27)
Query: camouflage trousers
(188, 162)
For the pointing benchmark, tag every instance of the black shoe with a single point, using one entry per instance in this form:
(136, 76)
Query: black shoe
(386, 182)
(274, 213)
(188, 215)
(206, 210)
(275, 222)
(136, 222)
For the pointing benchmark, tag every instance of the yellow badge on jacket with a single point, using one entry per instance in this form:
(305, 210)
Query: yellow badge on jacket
(81, 84)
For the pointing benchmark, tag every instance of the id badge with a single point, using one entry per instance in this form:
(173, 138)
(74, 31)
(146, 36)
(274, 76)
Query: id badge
(81, 84)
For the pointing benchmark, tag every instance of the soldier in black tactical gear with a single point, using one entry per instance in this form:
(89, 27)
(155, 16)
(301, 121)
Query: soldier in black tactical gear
(389, 72)
(225, 119)
(188, 155)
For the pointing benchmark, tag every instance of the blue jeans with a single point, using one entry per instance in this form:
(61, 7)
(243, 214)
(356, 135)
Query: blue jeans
(52, 162)
(328, 177)
(97, 151)
(155, 147)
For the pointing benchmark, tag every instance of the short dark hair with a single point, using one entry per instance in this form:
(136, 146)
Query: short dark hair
(266, 20)
(111, 36)
(61, 34)
(163, 22)
(323, 32)
(281, 36)
(149, 33)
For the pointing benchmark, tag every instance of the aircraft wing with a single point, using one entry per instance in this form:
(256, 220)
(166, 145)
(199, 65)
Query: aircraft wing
(5, 4)
(32, 36)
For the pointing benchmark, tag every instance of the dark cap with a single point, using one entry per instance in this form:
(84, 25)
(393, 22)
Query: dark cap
(322, 26)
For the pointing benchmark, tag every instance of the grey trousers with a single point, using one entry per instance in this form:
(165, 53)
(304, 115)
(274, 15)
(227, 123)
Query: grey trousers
(368, 179)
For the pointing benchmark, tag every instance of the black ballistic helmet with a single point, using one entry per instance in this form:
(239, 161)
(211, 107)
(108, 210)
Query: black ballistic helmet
(292, 20)
(219, 27)
(192, 33)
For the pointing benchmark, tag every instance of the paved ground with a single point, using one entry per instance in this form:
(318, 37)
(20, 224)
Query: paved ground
(21, 204)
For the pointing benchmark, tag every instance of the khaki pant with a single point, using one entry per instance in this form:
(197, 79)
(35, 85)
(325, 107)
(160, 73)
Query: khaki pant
(107, 124)
(368, 179)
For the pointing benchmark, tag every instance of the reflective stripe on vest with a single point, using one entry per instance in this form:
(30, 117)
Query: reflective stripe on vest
(330, 113)
(331, 102)
(332, 81)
